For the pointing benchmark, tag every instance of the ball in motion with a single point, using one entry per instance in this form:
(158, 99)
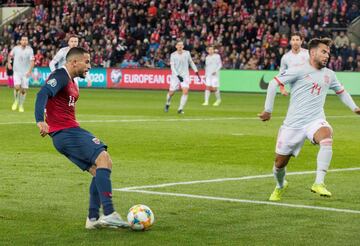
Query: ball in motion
(140, 217)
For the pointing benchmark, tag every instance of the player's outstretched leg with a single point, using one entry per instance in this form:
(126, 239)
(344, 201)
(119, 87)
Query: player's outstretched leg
(323, 163)
(103, 184)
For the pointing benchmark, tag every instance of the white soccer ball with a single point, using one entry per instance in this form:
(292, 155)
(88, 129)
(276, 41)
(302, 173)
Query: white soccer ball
(140, 217)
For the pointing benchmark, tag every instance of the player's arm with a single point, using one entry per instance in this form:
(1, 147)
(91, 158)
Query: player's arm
(344, 96)
(173, 69)
(283, 67)
(55, 61)
(50, 89)
(193, 66)
(10, 57)
(219, 65)
(32, 63)
(286, 77)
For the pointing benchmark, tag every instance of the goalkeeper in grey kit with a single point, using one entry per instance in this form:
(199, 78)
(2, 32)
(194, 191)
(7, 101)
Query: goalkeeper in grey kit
(180, 78)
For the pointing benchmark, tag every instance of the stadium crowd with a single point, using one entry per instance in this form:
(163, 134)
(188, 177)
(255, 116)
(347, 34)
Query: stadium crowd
(249, 34)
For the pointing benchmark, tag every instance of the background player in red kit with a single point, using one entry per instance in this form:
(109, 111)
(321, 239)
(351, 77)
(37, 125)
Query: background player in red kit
(59, 96)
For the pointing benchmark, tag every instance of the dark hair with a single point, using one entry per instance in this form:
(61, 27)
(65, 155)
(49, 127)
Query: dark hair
(298, 34)
(314, 43)
(24, 36)
(76, 51)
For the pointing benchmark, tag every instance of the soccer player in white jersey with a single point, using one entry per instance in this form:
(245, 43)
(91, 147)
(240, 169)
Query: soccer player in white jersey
(60, 58)
(179, 62)
(297, 56)
(23, 63)
(305, 118)
(213, 65)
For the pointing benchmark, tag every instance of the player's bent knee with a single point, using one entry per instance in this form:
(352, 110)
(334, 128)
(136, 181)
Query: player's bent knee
(103, 160)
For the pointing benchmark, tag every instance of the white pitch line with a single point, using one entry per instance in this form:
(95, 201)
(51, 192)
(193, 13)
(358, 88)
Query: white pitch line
(166, 120)
(242, 201)
(229, 179)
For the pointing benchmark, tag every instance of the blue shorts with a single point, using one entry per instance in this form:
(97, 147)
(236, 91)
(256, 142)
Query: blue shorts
(79, 145)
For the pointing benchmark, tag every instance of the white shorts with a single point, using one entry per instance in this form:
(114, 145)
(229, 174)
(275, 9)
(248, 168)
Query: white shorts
(212, 80)
(290, 140)
(22, 80)
(175, 83)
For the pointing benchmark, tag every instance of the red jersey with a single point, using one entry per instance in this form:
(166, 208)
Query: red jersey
(60, 107)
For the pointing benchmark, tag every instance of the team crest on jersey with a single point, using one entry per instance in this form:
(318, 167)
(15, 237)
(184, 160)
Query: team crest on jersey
(96, 140)
(52, 82)
(326, 79)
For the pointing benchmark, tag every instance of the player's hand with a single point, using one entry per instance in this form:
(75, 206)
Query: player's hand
(44, 128)
(357, 111)
(283, 91)
(28, 74)
(180, 78)
(197, 73)
(265, 116)
(9, 66)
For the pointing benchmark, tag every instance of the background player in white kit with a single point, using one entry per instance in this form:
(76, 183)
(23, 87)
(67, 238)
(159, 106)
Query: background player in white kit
(23, 63)
(297, 56)
(213, 65)
(179, 62)
(305, 118)
(60, 58)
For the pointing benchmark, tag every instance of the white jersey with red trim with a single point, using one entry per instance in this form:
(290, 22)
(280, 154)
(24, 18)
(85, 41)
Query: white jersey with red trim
(22, 59)
(290, 59)
(308, 88)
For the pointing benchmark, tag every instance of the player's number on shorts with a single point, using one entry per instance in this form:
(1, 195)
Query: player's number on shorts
(315, 89)
(71, 101)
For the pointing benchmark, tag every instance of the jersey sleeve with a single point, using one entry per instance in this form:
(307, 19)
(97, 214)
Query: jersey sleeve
(192, 64)
(56, 59)
(219, 63)
(287, 76)
(283, 64)
(53, 85)
(172, 65)
(31, 54)
(335, 85)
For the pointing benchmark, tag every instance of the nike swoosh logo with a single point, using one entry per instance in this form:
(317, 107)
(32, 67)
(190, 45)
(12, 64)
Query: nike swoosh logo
(263, 84)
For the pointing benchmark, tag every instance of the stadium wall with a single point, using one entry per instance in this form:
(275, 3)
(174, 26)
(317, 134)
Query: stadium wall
(159, 79)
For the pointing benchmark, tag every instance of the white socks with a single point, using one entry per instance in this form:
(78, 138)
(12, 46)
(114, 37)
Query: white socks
(279, 174)
(168, 99)
(16, 95)
(21, 99)
(183, 101)
(323, 159)
(217, 95)
(207, 95)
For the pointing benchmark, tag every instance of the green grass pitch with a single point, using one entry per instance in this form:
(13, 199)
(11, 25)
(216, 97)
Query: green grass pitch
(44, 197)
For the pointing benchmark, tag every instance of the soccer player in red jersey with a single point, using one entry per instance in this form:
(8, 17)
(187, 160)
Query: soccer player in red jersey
(58, 96)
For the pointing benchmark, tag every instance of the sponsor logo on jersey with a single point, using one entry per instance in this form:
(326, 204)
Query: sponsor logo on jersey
(52, 82)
